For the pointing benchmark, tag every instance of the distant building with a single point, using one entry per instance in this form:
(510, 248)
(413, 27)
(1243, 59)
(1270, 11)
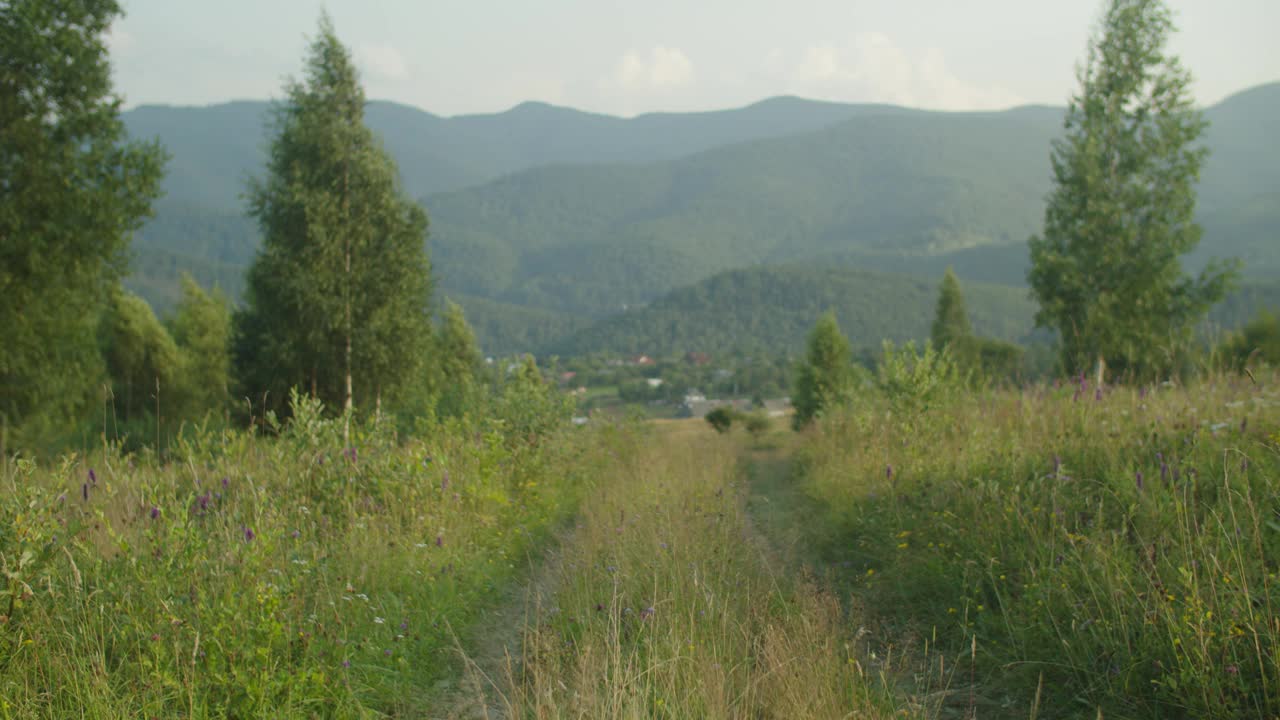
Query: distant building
(643, 360)
(654, 383)
(700, 407)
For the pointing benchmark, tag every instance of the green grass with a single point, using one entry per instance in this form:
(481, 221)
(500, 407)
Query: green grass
(666, 604)
(994, 555)
(252, 577)
(1114, 552)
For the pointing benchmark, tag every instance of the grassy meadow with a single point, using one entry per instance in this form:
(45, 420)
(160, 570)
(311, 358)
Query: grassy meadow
(254, 577)
(1051, 552)
(1108, 550)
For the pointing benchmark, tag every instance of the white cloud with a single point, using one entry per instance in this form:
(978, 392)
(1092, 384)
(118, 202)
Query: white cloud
(664, 69)
(872, 68)
(383, 60)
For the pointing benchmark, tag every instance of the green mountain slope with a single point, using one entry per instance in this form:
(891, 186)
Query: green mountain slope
(883, 191)
(771, 310)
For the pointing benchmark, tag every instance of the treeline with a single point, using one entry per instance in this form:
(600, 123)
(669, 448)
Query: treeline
(338, 300)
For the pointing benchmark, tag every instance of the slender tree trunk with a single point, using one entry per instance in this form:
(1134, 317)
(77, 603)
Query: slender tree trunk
(1101, 370)
(346, 216)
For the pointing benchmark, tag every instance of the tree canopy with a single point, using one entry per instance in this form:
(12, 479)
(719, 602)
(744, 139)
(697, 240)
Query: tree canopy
(1107, 269)
(951, 319)
(825, 377)
(73, 189)
(337, 300)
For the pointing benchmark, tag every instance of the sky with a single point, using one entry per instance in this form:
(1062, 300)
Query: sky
(453, 57)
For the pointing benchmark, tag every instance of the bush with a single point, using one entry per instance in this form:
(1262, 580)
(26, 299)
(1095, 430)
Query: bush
(1257, 341)
(722, 418)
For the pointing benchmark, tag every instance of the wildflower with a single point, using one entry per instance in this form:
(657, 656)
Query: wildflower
(1142, 392)
(84, 491)
(1244, 464)
(387, 652)
(155, 637)
(295, 534)
(155, 512)
(1097, 395)
(1138, 478)
(346, 663)
(888, 472)
(93, 479)
(379, 620)
(439, 541)
(404, 625)
(647, 613)
(248, 534)
(1232, 670)
(225, 482)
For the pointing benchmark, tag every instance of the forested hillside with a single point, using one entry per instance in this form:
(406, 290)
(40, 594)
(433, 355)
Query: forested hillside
(622, 213)
(766, 309)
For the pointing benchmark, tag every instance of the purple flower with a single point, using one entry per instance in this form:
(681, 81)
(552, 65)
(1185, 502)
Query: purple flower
(888, 472)
(294, 534)
(248, 534)
(93, 478)
(155, 512)
(404, 625)
(439, 541)
(346, 663)
(1097, 395)
(84, 491)
(647, 613)
(1244, 464)
(387, 652)
(225, 482)
(350, 454)
(1138, 477)
(62, 498)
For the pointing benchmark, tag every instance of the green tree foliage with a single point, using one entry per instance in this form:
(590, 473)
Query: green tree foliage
(528, 407)
(458, 354)
(337, 299)
(951, 319)
(201, 329)
(72, 191)
(459, 360)
(143, 363)
(1106, 270)
(1257, 341)
(825, 377)
(916, 381)
(721, 418)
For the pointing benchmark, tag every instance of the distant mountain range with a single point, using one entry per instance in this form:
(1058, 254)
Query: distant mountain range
(545, 220)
